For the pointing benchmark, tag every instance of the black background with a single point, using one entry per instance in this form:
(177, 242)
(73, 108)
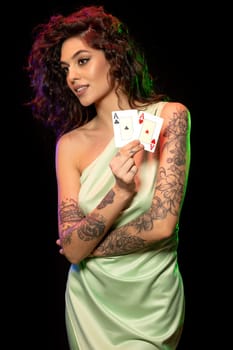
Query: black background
(169, 36)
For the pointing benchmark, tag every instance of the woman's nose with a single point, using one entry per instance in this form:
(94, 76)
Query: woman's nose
(73, 75)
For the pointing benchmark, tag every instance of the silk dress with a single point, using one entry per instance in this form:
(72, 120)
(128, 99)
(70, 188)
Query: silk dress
(127, 302)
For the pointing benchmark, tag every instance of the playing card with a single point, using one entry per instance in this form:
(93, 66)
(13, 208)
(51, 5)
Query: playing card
(148, 129)
(124, 125)
(133, 124)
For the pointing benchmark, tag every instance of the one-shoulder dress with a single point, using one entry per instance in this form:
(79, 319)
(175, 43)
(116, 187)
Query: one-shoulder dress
(128, 302)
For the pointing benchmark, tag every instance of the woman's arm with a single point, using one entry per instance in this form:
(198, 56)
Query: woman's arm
(160, 220)
(79, 234)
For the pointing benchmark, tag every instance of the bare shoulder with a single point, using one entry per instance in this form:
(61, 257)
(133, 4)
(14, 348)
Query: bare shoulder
(69, 149)
(81, 146)
(67, 141)
(176, 111)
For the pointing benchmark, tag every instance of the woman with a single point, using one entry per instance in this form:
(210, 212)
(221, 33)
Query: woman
(118, 207)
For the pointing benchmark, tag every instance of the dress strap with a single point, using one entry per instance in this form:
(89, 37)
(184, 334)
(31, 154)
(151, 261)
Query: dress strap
(158, 108)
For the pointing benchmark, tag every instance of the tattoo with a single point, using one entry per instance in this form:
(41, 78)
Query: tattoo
(71, 219)
(171, 181)
(143, 223)
(70, 211)
(108, 199)
(120, 243)
(92, 228)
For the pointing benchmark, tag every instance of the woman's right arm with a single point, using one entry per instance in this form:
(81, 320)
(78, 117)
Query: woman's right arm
(79, 234)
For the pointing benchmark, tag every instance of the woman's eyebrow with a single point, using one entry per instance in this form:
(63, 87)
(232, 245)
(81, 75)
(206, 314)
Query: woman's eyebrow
(75, 55)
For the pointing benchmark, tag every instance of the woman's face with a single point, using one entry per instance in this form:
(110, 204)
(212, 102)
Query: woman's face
(86, 71)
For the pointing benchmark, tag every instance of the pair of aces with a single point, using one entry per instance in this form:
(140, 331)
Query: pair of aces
(133, 124)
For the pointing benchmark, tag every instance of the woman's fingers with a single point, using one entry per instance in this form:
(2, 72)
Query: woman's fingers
(123, 164)
(131, 148)
(58, 242)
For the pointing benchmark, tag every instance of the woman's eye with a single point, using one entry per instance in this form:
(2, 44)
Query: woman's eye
(82, 61)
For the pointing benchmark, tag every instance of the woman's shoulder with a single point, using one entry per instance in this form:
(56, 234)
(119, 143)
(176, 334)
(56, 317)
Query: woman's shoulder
(68, 137)
(174, 106)
(71, 149)
(70, 141)
(175, 110)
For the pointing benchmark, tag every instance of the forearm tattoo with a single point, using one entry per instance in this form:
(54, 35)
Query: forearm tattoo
(120, 243)
(72, 220)
(108, 199)
(69, 211)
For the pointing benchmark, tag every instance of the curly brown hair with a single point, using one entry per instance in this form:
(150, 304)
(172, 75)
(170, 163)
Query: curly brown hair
(53, 102)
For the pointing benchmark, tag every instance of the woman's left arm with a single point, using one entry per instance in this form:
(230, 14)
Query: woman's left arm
(160, 220)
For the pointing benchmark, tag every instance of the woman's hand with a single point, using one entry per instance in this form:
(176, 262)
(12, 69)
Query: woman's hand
(58, 242)
(124, 168)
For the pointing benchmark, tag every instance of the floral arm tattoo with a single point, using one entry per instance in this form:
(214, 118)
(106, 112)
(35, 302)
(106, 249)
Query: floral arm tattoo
(87, 227)
(168, 195)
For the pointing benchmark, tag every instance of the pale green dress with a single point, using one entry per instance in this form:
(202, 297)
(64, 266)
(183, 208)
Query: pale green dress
(128, 302)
